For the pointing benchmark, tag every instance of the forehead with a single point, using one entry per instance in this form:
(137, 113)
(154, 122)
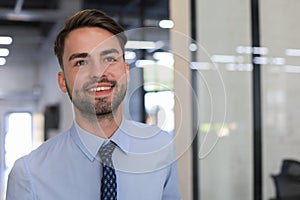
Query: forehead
(89, 40)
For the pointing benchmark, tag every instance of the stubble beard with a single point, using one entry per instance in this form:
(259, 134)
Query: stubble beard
(101, 107)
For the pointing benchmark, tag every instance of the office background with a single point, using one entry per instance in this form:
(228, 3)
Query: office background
(195, 80)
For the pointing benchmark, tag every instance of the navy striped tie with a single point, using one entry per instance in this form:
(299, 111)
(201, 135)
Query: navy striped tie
(108, 181)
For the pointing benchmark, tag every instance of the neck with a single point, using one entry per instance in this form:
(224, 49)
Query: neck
(103, 125)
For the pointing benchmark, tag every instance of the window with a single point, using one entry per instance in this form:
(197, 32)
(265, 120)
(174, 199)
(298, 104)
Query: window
(159, 96)
(160, 109)
(18, 137)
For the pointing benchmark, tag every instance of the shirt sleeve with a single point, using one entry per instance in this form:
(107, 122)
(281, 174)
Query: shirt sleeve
(19, 186)
(171, 187)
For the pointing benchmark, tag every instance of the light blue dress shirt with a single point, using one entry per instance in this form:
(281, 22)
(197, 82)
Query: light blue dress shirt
(67, 167)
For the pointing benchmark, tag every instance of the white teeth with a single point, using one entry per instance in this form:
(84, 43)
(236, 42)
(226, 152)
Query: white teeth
(97, 89)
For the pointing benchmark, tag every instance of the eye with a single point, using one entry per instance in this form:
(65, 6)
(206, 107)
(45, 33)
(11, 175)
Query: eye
(81, 63)
(110, 59)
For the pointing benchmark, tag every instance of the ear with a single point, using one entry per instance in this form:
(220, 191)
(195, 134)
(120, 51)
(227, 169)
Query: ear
(127, 70)
(62, 81)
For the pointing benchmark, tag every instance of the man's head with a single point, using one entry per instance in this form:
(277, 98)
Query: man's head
(90, 50)
(87, 18)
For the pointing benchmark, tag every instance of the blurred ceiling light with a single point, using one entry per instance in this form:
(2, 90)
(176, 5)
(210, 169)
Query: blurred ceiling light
(292, 52)
(292, 69)
(239, 67)
(164, 58)
(130, 55)
(260, 50)
(223, 58)
(4, 52)
(144, 63)
(166, 24)
(162, 55)
(6, 40)
(2, 61)
(193, 47)
(278, 61)
(249, 50)
(260, 60)
(201, 66)
(140, 45)
(244, 50)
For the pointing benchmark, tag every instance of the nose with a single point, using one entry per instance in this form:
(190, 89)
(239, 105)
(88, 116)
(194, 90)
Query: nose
(97, 69)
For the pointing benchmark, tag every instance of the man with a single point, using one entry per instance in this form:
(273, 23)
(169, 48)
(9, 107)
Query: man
(72, 165)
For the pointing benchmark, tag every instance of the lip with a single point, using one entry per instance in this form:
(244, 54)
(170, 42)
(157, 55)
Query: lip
(100, 89)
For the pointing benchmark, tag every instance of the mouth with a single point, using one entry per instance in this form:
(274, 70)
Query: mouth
(100, 89)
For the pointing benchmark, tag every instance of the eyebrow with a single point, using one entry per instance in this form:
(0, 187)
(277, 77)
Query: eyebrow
(109, 51)
(85, 55)
(78, 55)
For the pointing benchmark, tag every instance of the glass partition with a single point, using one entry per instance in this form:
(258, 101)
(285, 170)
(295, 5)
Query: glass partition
(224, 71)
(281, 85)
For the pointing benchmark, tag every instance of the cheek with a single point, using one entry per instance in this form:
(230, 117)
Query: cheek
(123, 72)
(75, 78)
(71, 84)
(122, 77)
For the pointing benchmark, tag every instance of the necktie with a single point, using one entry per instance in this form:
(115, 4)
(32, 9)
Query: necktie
(108, 181)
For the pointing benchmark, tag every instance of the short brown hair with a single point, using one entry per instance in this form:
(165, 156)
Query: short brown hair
(87, 18)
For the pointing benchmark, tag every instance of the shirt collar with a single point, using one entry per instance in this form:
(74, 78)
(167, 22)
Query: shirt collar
(93, 143)
(120, 137)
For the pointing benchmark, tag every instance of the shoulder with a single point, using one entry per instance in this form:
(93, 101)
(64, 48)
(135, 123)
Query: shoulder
(53, 146)
(149, 148)
(144, 131)
(35, 160)
(146, 138)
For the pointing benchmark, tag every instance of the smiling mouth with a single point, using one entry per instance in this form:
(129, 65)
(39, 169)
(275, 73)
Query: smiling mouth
(99, 89)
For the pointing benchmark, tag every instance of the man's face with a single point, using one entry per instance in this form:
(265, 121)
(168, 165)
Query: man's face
(95, 74)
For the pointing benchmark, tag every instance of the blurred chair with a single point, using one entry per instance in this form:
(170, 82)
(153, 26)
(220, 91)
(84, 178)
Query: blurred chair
(287, 182)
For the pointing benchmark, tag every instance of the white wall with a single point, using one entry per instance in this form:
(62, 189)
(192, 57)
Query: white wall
(179, 42)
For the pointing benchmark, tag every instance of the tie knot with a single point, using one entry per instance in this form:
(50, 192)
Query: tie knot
(106, 152)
